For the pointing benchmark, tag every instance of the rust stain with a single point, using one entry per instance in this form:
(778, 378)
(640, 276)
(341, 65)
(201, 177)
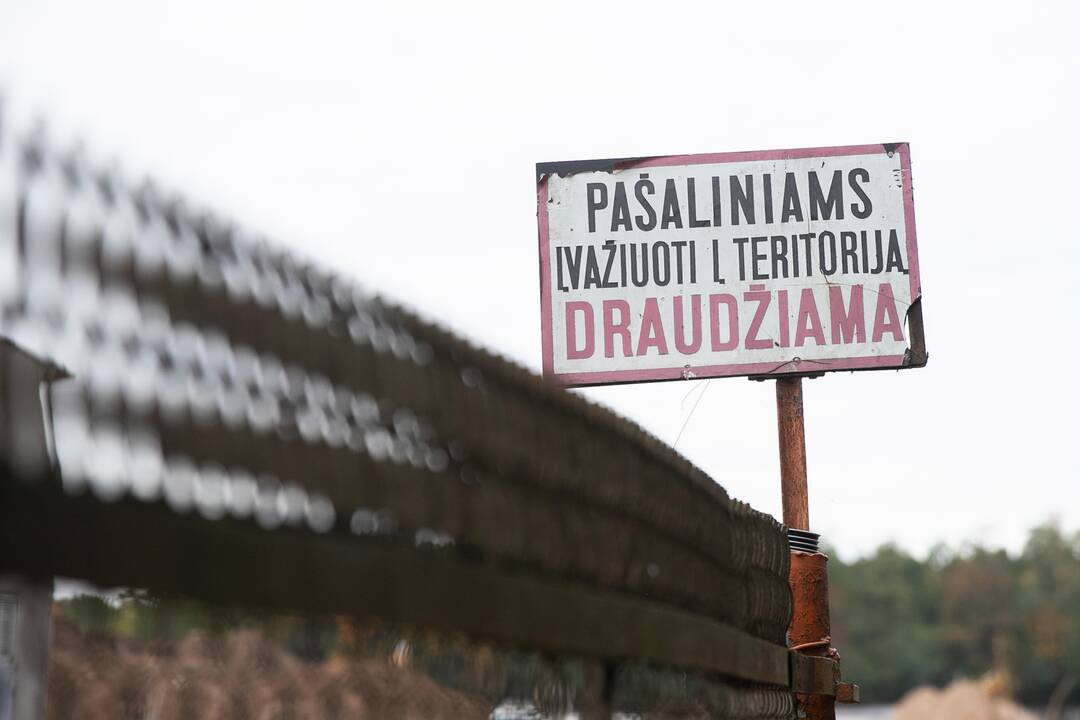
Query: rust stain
(810, 629)
(789, 421)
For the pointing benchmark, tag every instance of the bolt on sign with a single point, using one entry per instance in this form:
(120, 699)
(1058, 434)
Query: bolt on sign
(750, 263)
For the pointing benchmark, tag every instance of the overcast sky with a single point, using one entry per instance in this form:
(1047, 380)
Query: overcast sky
(396, 143)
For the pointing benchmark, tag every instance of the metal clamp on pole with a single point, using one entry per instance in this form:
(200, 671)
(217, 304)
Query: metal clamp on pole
(815, 662)
(812, 675)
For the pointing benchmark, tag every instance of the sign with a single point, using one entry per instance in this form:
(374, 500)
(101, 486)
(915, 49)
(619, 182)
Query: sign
(751, 263)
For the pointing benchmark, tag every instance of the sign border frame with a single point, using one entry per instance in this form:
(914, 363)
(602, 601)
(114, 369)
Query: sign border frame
(915, 356)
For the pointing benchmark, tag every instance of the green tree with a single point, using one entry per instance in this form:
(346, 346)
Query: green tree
(884, 609)
(901, 622)
(977, 611)
(1048, 611)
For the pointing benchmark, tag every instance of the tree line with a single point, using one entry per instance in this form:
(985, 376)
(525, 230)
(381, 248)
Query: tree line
(900, 622)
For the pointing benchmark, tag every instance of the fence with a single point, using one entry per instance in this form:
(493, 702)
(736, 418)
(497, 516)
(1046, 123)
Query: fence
(242, 426)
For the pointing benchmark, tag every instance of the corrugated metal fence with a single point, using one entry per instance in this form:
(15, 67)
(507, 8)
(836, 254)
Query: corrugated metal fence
(242, 426)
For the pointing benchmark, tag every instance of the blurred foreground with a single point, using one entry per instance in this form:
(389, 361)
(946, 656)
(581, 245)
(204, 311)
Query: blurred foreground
(238, 674)
(141, 657)
(201, 414)
(972, 614)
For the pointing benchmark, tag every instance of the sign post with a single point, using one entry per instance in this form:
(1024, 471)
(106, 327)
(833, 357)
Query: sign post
(771, 265)
(810, 628)
(789, 424)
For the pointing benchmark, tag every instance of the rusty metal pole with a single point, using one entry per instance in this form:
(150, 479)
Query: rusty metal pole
(810, 631)
(789, 422)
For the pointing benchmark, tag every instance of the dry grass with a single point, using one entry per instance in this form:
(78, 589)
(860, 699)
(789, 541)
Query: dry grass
(236, 676)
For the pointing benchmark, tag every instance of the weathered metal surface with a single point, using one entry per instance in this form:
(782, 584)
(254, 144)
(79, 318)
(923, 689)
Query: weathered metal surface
(25, 443)
(812, 675)
(748, 263)
(848, 693)
(815, 664)
(811, 630)
(231, 562)
(245, 427)
(207, 361)
(789, 423)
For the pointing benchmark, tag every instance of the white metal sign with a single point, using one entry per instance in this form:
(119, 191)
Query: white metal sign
(753, 263)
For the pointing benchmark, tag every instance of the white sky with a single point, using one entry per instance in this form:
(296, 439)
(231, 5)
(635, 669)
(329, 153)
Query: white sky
(395, 142)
